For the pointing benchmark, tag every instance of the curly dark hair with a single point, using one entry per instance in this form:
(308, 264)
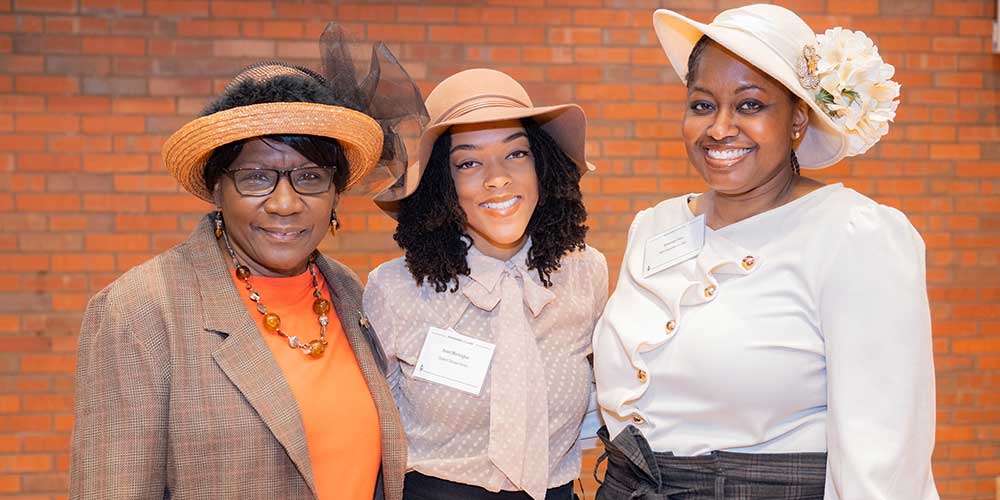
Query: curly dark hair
(285, 88)
(431, 229)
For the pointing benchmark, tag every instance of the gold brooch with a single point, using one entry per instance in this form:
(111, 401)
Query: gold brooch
(807, 67)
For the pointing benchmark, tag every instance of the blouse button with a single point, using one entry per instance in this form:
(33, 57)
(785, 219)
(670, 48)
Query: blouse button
(671, 325)
(641, 375)
(709, 291)
(637, 419)
(748, 262)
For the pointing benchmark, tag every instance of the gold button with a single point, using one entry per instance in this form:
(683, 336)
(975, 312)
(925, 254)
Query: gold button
(748, 262)
(641, 375)
(637, 419)
(671, 325)
(709, 290)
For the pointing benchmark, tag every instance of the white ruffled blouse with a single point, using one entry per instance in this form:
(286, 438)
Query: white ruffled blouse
(802, 329)
(520, 432)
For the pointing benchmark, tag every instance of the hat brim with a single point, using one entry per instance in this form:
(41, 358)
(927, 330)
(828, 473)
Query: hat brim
(187, 150)
(566, 123)
(822, 145)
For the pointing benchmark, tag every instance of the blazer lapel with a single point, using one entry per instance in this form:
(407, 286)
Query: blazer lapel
(243, 355)
(346, 293)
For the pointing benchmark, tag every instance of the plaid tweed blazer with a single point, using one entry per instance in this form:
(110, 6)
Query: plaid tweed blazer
(178, 395)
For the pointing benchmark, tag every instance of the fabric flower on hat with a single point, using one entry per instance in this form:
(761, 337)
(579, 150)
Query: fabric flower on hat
(853, 84)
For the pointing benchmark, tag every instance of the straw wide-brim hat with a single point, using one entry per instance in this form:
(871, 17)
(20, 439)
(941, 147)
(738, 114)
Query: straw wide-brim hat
(187, 150)
(481, 96)
(772, 39)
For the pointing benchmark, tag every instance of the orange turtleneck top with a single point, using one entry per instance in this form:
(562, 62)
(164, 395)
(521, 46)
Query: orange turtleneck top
(338, 413)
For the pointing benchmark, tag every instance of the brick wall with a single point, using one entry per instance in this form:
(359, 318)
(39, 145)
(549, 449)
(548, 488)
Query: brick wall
(89, 89)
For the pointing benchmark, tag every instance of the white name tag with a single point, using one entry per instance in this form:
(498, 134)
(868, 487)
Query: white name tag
(673, 246)
(455, 360)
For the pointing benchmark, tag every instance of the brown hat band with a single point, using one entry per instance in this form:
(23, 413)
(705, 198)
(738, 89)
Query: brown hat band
(478, 102)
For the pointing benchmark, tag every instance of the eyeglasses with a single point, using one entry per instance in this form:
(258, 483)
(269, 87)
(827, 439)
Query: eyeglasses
(262, 181)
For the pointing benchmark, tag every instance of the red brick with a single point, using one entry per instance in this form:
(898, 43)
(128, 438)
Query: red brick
(48, 202)
(60, 123)
(575, 36)
(575, 73)
(144, 105)
(46, 442)
(114, 45)
(261, 10)
(116, 163)
(177, 7)
(113, 124)
(146, 223)
(24, 463)
(117, 242)
(460, 34)
(177, 203)
(172, 87)
(50, 6)
(242, 48)
(78, 104)
(46, 84)
(955, 151)
(601, 17)
(47, 403)
(397, 32)
(422, 14)
(515, 35)
(958, 44)
(117, 203)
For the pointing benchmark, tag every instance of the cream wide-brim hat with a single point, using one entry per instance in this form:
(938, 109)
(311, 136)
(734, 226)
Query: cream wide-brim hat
(483, 95)
(187, 150)
(771, 38)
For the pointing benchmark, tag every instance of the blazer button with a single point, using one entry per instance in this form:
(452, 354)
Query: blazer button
(671, 325)
(641, 375)
(637, 419)
(709, 291)
(748, 262)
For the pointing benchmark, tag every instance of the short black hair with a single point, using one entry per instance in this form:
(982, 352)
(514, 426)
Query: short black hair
(307, 87)
(431, 229)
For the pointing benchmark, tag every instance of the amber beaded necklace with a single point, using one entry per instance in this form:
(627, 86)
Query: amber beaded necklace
(272, 321)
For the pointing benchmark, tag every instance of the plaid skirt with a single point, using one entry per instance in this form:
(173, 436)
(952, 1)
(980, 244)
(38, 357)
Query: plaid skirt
(635, 472)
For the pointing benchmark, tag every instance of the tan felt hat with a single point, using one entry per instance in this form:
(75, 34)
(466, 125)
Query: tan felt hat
(480, 96)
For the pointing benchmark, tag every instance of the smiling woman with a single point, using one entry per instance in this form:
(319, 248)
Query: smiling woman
(237, 364)
(491, 220)
(777, 344)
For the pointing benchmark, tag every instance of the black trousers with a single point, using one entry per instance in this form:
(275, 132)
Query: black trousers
(635, 472)
(421, 487)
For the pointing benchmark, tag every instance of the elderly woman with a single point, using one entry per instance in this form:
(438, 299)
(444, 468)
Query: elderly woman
(770, 338)
(236, 364)
(487, 320)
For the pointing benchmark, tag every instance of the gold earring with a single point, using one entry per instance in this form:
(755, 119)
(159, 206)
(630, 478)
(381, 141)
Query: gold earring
(334, 224)
(796, 135)
(218, 224)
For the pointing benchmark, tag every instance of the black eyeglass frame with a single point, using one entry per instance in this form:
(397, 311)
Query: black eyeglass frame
(281, 173)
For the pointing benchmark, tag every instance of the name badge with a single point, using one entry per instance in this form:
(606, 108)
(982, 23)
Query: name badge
(454, 360)
(673, 246)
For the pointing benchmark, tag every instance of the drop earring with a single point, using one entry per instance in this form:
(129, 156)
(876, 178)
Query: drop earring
(795, 163)
(334, 224)
(218, 224)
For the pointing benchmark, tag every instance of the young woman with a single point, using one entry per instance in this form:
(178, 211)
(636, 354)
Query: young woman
(487, 320)
(770, 338)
